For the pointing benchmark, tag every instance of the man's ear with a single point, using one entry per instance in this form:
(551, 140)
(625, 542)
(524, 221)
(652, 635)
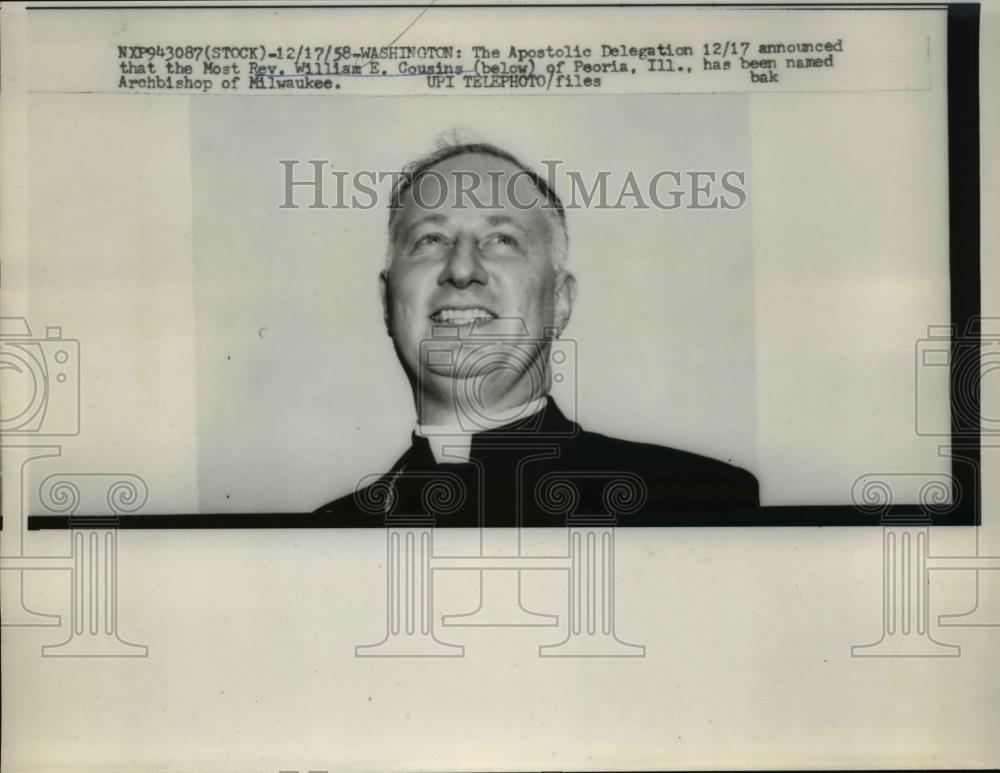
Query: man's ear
(383, 289)
(565, 295)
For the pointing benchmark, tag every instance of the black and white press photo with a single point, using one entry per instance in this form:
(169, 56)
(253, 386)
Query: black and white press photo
(498, 386)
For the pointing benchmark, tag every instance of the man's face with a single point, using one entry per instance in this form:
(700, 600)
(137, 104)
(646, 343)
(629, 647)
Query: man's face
(484, 271)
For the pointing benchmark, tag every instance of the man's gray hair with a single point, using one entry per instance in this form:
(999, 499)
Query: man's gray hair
(415, 170)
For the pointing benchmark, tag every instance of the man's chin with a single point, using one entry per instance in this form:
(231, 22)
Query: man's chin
(465, 376)
(487, 384)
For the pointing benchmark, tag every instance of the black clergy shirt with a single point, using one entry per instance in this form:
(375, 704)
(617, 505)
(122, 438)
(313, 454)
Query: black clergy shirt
(544, 470)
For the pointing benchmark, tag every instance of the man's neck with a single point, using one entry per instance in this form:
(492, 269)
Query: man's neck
(469, 420)
(458, 404)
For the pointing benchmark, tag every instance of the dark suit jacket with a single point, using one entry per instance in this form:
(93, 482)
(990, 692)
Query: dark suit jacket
(546, 471)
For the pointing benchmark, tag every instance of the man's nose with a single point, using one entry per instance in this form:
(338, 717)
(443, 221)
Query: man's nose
(463, 267)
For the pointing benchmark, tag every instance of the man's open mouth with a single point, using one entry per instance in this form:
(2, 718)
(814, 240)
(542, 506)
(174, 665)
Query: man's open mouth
(462, 316)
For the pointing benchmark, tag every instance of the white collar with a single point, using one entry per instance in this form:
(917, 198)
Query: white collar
(452, 443)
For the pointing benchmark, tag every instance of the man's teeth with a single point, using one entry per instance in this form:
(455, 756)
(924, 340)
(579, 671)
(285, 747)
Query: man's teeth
(462, 316)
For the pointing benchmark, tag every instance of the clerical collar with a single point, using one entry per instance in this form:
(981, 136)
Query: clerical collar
(452, 443)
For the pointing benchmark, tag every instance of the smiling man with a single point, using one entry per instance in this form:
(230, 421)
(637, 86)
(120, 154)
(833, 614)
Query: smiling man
(476, 294)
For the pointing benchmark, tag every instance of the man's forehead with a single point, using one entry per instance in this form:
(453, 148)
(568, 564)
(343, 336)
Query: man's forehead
(473, 181)
(499, 218)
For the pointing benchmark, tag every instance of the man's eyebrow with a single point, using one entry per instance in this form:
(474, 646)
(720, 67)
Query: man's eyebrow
(432, 218)
(504, 220)
(429, 218)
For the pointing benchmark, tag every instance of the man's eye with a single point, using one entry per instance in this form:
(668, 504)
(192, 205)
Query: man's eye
(428, 240)
(503, 240)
